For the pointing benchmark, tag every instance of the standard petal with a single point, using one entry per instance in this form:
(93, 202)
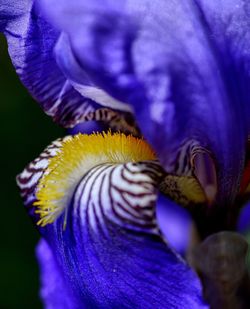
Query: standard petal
(68, 63)
(182, 65)
(228, 23)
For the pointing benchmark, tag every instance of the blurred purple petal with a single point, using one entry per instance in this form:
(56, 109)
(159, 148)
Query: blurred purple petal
(87, 127)
(182, 65)
(244, 219)
(175, 224)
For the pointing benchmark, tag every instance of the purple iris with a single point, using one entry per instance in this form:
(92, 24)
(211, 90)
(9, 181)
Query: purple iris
(177, 73)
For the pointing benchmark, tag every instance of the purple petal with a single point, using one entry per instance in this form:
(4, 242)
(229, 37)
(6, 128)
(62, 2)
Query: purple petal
(184, 66)
(243, 224)
(12, 12)
(54, 290)
(125, 271)
(111, 254)
(32, 45)
(175, 224)
(31, 42)
(87, 127)
(106, 246)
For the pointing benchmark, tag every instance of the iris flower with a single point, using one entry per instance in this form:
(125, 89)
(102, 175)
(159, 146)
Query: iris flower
(170, 78)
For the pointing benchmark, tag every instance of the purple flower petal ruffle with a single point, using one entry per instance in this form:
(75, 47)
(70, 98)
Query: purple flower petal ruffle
(183, 66)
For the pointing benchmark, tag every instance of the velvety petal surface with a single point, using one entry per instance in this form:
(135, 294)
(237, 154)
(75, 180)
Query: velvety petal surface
(54, 291)
(183, 65)
(112, 255)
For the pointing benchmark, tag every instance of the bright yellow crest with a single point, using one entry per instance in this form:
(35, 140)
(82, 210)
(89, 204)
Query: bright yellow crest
(75, 158)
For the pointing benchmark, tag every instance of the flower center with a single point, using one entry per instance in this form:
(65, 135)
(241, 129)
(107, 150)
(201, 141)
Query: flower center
(76, 157)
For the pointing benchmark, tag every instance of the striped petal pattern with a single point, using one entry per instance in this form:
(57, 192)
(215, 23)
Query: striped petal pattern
(117, 121)
(29, 178)
(122, 194)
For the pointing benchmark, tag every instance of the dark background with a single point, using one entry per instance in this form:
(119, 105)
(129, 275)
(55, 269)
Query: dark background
(25, 132)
